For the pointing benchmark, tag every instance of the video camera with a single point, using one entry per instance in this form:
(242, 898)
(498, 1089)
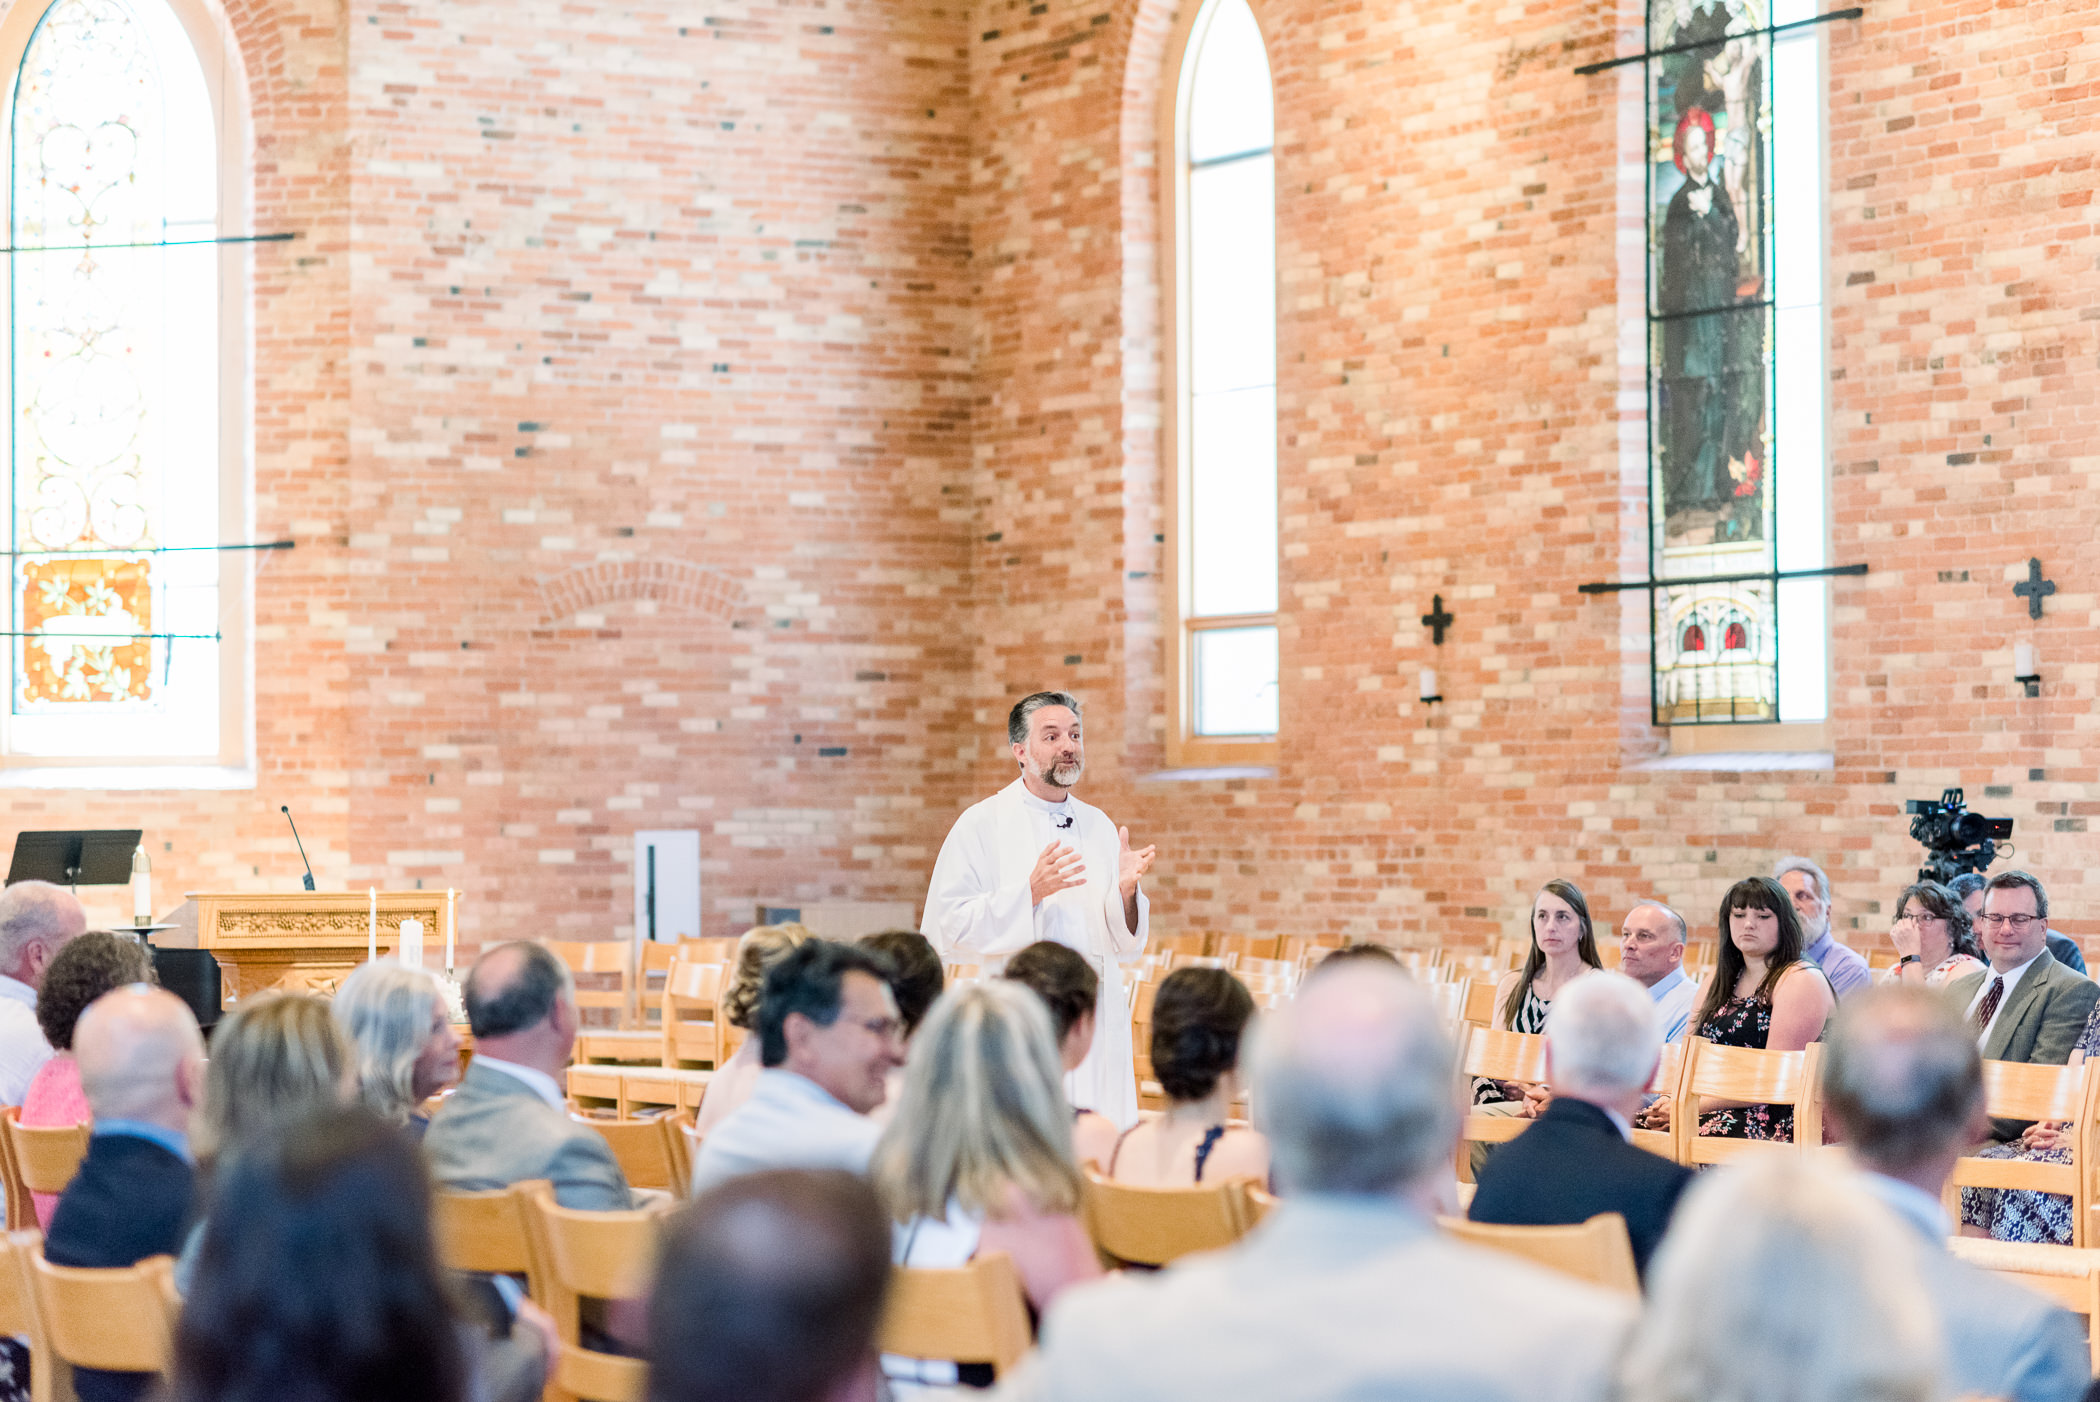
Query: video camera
(1956, 840)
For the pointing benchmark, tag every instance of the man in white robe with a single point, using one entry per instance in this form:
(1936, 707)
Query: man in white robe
(1034, 863)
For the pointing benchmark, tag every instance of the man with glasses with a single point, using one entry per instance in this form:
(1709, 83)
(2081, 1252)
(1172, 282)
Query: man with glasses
(829, 1035)
(1968, 889)
(2026, 1006)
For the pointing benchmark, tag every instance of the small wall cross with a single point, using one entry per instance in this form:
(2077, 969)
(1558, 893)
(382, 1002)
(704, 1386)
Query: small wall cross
(2034, 589)
(1436, 620)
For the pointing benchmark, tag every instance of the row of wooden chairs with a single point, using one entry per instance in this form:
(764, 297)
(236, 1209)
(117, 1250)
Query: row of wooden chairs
(618, 978)
(690, 1032)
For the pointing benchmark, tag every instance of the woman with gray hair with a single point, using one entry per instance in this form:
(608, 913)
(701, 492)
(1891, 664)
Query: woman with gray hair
(400, 1030)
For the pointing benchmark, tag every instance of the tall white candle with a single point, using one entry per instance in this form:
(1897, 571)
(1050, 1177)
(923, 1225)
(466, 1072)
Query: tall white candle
(372, 926)
(2023, 660)
(1428, 683)
(141, 888)
(451, 927)
(410, 950)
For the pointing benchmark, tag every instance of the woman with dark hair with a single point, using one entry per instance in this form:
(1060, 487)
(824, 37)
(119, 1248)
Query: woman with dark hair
(916, 977)
(1563, 949)
(1197, 1019)
(89, 966)
(1932, 933)
(1060, 976)
(1761, 994)
(318, 1278)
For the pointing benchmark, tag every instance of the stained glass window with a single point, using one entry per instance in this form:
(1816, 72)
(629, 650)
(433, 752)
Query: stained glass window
(113, 439)
(1227, 498)
(1735, 355)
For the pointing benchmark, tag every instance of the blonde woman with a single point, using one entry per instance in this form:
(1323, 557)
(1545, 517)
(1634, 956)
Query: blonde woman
(979, 1156)
(1784, 1280)
(761, 947)
(401, 1038)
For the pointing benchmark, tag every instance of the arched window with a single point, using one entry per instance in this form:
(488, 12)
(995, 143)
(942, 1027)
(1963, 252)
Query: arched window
(1223, 400)
(125, 465)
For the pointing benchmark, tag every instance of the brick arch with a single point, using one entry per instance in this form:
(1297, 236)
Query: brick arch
(682, 587)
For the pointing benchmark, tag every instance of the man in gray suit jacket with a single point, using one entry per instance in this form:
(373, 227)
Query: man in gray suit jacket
(2025, 1006)
(1347, 1290)
(509, 1120)
(1903, 1084)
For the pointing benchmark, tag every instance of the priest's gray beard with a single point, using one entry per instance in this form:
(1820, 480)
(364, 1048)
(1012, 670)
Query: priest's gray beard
(1062, 776)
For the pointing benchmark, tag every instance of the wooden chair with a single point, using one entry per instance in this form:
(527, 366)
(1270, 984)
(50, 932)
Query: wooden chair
(1745, 1074)
(1597, 1251)
(713, 949)
(975, 1314)
(1153, 1226)
(1201, 961)
(595, 1090)
(121, 1320)
(1247, 946)
(45, 1158)
(2069, 1275)
(1191, 943)
(1480, 1001)
(657, 958)
(1271, 991)
(1307, 950)
(590, 1255)
(1260, 1203)
(2017, 1091)
(1450, 1000)
(1141, 1005)
(647, 1151)
(600, 959)
(1669, 1071)
(692, 1013)
(21, 1210)
(1499, 1056)
(1265, 968)
(486, 1233)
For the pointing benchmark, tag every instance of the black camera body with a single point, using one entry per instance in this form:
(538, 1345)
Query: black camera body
(1955, 840)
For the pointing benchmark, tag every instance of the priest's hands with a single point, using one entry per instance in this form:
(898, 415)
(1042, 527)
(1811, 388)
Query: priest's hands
(1058, 868)
(1132, 865)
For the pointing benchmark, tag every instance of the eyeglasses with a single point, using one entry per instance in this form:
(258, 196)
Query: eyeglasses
(884, 1027)
(2019, 923)
(1913, 918)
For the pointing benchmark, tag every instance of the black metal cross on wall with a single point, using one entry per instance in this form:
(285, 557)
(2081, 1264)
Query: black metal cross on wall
(1436, 620)
(2034, 589)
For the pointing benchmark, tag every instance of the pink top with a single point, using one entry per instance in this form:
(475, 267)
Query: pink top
(54, 1099)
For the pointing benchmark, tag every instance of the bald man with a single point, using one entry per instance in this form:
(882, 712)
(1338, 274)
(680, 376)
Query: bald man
(36, 920)
(142, 1066)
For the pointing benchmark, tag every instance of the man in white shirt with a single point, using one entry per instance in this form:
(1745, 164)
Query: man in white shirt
(36, 920)
(1903, 1084)
(1651, 952)
(829, 1035)
(1032, 862)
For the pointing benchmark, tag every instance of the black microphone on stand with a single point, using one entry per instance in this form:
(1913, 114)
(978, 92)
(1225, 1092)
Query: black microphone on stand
(286, 809)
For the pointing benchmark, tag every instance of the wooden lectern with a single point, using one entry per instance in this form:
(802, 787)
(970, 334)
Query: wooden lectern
(306, 941)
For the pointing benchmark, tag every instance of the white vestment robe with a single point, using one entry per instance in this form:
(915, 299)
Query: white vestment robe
(978, 911)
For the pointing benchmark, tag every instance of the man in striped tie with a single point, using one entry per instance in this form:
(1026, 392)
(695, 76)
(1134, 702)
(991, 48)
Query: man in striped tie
(2026, 1006)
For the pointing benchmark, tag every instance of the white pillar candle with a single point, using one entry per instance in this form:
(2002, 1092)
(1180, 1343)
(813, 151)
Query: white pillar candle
(141, 889)
(451, 927)
(372, 926)
(2023, 660)
(410, 950)
(1429, 683)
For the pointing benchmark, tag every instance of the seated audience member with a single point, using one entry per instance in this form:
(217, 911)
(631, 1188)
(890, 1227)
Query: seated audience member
(1761, 994)
(1651, 952)
(509, 1119)
(400, 1032)
(1603, 1043)
(1347, 1289)
(1809, 889)
(916, 977)
(1932, 935)
(1903, 1086)
(1197, 1018)
(2023, 1214)
(1563, 949)
(37, 919)
(1068, 986)
(1784, 1280)
(1968, 889)
(141, 1063)
(1350, 953)
(769, 1289)
(978, 1158)
(761, 947)
(828, 1035)
(318, 1277)
(83, 971)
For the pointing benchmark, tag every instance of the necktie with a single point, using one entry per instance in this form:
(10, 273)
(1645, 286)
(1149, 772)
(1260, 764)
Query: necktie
(1989, 1005)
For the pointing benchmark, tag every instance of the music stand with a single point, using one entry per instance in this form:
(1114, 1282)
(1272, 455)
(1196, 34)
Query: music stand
(85, 858)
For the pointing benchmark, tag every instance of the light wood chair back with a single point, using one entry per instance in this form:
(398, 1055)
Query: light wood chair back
(1141, 1004)
(46, 1157)
(1474, 966)
(2018, 1091)
(601, 960)
(975, 1314)
(1306, 950)
(1450, 1000)
(1260, 1203)
(591, 1255)
(1247, 946)
(1191, 942)
(120, 1320)
(1499, 1056)
(21, 1208)
(1597, 1251)
(2068, 1275)
(692, 1014)
(1512, 953)
(1480, 1001)
(1270, 991)
(485, 1233)
(649, 974)
(713, 949)
(953, 974)
(1179, 960)
(1669, 1071)
(17, 1314)
(1153, 1226)
(647, 1151)
(1265, 968)
(1749, 1075)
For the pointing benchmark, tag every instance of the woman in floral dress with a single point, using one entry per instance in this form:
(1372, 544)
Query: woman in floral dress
(1762, 994)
